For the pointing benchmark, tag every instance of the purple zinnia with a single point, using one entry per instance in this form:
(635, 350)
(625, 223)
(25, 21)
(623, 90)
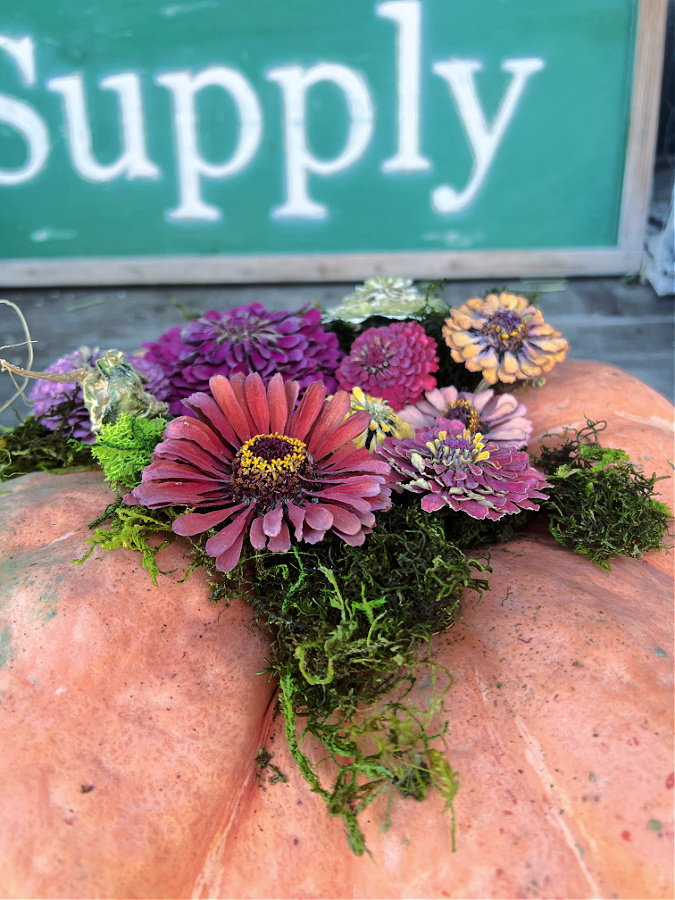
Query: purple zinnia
(394, 363)
(246, 339)
(252, 458)
(452, 467)
(48, 395)
(500, 418)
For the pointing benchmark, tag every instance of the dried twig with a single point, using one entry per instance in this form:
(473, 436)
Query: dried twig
(12, 369)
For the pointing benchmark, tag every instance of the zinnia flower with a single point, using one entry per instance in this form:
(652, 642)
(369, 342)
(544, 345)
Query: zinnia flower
(383, 420)
(394, 362)
(500, 418)
(246, 339)
(395, 298)
(48, 395)
(504, 337)
(452, 467)
(249, 460)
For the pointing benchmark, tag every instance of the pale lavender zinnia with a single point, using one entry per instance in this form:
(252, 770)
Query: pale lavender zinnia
(247, 339)
(451, 467)
(254, 464)
(499, 418)
(47, 396)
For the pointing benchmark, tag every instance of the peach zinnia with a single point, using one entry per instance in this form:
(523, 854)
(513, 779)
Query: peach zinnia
(251, 459)
(504, 337)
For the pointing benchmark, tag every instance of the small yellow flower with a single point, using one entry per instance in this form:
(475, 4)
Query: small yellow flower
(384, 422)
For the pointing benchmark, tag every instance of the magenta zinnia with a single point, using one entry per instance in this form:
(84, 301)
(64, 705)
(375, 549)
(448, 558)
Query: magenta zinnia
(253, 461)
(394, 363)
(246, 339)
(504, 337)
(499, 418)
(452, 467)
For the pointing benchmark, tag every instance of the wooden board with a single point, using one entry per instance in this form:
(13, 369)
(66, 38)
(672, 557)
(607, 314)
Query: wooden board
(178, 141)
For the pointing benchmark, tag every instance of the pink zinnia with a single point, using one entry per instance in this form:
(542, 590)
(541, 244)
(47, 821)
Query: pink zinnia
(251, 458)
(499, 418)
(450, 466)
(394, 363)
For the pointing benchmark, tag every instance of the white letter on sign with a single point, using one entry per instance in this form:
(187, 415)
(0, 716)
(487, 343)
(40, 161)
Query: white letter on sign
(133, 162)
(191, 164)
(23, 117)
(483, 138)
(408, 15)
(295, 82)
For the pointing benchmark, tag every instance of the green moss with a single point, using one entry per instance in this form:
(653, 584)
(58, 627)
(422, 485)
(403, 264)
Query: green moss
(351, 629)
(30, 447)
(600, 504)
(124, 448)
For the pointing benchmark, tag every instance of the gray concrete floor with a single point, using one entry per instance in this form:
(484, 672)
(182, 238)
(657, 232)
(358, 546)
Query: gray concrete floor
(608, 319)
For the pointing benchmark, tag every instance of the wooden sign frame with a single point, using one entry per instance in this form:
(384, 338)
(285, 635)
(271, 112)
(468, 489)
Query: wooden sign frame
(623, 258)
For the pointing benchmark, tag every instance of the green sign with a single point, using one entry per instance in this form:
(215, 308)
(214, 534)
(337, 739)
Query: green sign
(179, 140)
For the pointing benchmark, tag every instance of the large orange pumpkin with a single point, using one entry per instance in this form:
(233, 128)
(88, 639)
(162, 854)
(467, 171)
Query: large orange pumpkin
(131, 717)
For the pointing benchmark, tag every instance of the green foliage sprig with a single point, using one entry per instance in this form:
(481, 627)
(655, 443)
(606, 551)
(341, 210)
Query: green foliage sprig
(135, 528)
(600, 505)
(124, 448)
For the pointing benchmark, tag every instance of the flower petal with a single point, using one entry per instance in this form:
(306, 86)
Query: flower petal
(227, 401)
(318, 517)
(225, 538)
(281, 542)
(337, 437)
(333, 413)
(343, 520)
(198, 523)
(277, 404)
(272, 520)
(307, 412)
(256, 398)
(208, 412)
(256, 535)
(297, 516)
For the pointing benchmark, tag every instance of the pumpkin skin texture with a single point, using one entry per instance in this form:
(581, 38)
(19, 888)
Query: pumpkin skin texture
(560, 727)
(111, 682)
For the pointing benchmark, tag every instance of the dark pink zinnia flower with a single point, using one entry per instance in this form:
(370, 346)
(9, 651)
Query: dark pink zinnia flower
(247, 339)
(251, 458)
(394, 363)
(452, 467)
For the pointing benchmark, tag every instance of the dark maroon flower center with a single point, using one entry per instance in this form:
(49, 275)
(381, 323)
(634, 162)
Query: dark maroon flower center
(505, 331)
(462, 411)
(271, 467)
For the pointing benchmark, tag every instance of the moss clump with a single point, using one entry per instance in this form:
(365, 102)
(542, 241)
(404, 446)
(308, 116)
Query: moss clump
(32, 447)
(600, 504)
(124, 448)
(351, 625)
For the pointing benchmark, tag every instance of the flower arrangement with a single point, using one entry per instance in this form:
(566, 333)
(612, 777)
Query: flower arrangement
(347, 471)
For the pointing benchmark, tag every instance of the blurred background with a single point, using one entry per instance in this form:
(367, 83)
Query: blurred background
(627, 320)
